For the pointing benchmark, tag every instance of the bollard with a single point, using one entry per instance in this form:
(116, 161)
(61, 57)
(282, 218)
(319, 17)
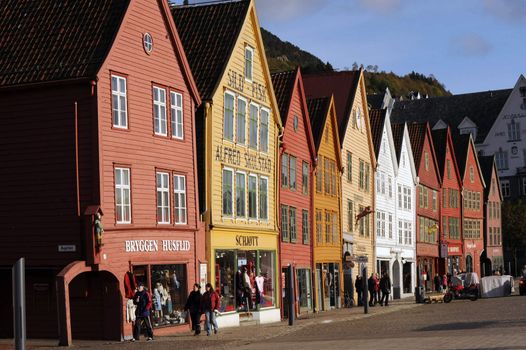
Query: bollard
(365, 290)
(19, 304)
(290, 292)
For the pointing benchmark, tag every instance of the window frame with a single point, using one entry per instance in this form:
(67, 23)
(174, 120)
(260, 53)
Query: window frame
(179, 193)
(260, 129)
(305, 227)
(253, 176)
(256, 123)
(121, 187)
(238, 216)
(174, 108)
(232, 172)
(250, 49)
(162, 190)
(237, 118)
(266, 179)
(119, 94)
(158, 107)
(233, 95)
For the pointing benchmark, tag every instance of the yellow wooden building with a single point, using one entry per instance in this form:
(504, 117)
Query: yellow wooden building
(238, 127)
(327, 238)
(359, 164)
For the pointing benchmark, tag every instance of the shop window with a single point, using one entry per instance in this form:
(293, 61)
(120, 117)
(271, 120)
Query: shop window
(168, 286)
(245, 279)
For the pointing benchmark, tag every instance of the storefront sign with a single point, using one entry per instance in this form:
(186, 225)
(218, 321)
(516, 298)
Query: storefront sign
(247, 241)
(67, 248)
(237, 81)
(443, 250)
(451, 249)
(153, 245)
(471, 245)
(235, 157)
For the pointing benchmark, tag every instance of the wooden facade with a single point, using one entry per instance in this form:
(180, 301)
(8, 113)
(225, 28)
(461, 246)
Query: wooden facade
(104, 156)
(297, 164)
(327, 204)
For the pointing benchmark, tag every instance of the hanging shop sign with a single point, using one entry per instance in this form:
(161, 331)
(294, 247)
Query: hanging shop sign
(153, 245)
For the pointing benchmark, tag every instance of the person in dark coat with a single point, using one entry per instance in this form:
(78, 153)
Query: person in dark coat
(438, 283)
(358, 285)
(371, 285)
(210, 305)
(385, 287)
(143, 300)
(193, 305)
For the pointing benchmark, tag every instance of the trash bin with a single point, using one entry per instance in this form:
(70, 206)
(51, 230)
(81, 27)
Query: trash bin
(420, 294)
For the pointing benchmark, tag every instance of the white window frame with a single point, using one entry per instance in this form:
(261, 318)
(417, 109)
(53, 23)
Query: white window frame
(158, 107)
(260, 126)
(232, 172)
(244, 216)
(502, 160)
(258, 192)
(248, 195)
(237, 114)
(250, 138)
(164, 190)
(505, 186)
(121, 188)
(180, 211)
(231, 94)
(122, 106)
(251, 67)
(175, 111)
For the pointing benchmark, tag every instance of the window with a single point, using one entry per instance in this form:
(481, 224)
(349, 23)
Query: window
(378, 223)
(159, 111)
(240, 195)
(390, 226)
(454, 228)
(285, 170)
(361, 178)
(335, 228)
(328, 226)
(252, 194)
(292, 172)
(295, 123)
(501, 157)
(367, 172)
(228, 122)
(305, 234)
(249, 62)
(227, 192)
(180, 199)
(350, 215)
(176, 106)
(400, 197)
(333, 178)
(319, 226)
(400, 232)
(326, 175)
(444, 198)
(241, 121)
(420, 196)
(358, 119)
(147, 43)
(163, 199)
(122, 196)
(362, 221)
(426, 160)
(319, 177)
(285, 223)
(408, 227)
(407, 198)
(514, 131)
(263, 198)
(444, 225)
(263, 130)
(435, 199)
(449, 169)
(253, 126)
(119, 102)
(349, 166)
(292, 212)
(471, 174)
(426, 200)
(505, 187)
(390, 186)
(305, 177)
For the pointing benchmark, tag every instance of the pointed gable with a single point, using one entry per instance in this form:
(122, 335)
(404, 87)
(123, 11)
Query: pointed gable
(377, 120)
(489, 171)
(420, 136)
(318, 113)
(342, 85)
(50, 40)
(209, 33)
(440, 141)
(461, 152)
(398, 138)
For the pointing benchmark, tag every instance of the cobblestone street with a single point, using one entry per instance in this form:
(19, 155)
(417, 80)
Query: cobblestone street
(493, 324)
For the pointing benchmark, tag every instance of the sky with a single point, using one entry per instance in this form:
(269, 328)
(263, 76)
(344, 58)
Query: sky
(468, 45)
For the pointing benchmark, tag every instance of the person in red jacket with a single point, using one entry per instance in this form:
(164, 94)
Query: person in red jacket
(210, 305)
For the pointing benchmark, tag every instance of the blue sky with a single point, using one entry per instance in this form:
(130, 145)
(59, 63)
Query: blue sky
(469, 45)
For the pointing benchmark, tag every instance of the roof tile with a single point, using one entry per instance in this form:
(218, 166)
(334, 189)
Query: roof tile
(283, 84)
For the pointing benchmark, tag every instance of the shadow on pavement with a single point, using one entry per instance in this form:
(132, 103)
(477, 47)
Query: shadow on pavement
(458, 326)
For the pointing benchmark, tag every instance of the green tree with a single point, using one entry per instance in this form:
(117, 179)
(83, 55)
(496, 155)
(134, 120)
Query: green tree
(514, 228)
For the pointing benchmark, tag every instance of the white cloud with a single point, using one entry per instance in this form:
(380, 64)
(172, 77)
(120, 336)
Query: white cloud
(508, 10)
(381, 6)
(470, 45)
(283, 10)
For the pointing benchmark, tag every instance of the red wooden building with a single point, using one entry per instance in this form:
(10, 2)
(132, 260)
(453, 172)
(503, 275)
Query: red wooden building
(297, 159)
(98, 119)
(450, 208)
(427, 203)
(472, 197)
(492, 258)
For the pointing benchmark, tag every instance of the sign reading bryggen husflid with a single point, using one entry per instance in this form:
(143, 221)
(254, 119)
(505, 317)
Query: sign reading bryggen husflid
(239, 127)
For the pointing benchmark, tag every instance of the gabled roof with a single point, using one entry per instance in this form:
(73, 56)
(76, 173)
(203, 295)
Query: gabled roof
(209, 32)
(487, 165)
(482, 108)
(417, 135)
(461, 152)
(377, 118)
(318, 113)
(440, 139)
(283, 84)
(398, 138)
(342, 85)
(376, 101)
(50, 40)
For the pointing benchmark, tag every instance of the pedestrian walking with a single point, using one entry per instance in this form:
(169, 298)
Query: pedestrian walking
(438, 283)
(193, 306)
(444, 282)
(385, 287)
(210, 305)
(371, 284)
(143, 301)
(359, 289)
(376, 289)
